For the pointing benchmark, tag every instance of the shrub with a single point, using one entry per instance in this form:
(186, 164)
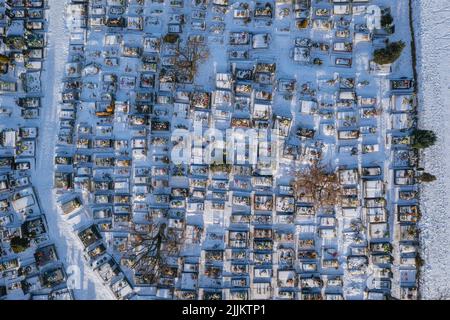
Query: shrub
(317, 61)
(427, 177)
(170, 38)
(4, 59)
(386, 20)
(387, 23)
(19, 244)
(423, 138)
(389, 54)
(419, 261)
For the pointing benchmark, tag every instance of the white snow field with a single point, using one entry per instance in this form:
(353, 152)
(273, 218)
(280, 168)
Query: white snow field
(432, 28)
(85, 283)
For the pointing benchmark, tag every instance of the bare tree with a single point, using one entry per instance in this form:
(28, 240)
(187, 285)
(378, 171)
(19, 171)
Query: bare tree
(317, 184)
(188, 57)
(149, 250)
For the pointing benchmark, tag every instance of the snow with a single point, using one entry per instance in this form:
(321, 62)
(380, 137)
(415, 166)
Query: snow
(88, 285)
(431, 20)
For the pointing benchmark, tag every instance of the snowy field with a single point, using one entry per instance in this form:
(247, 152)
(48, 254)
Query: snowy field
(431, 20)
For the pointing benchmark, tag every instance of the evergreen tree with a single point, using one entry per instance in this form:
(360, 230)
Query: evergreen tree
(423, 138)
(19, 244)
(389, 54)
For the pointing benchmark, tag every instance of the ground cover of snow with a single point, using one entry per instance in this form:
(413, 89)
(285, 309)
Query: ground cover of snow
(432, 21)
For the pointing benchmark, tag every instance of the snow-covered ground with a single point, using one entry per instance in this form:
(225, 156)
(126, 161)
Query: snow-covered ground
(86, 284)
(432, 20)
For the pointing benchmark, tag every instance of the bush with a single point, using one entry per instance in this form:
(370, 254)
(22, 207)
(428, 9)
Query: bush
(4, 59)
(170, 38)
(419, 261)
(317, 62)
(19, 244)
(427, 177)
(389, 54)
(386, 20)
(387, 23)
(423, 138)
